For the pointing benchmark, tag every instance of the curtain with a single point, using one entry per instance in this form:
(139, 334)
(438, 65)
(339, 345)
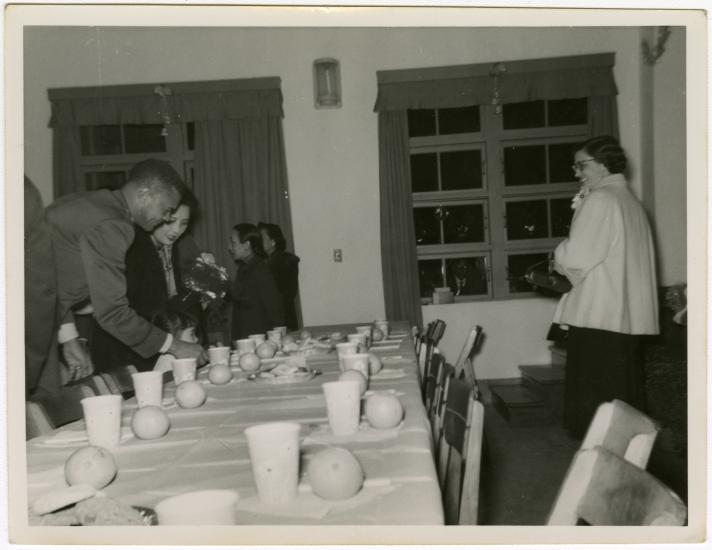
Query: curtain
(240, 176)
(398, 254)
(603, 116)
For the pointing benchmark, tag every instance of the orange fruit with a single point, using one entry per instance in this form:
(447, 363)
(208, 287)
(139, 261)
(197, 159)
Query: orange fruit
(288, 339)
(266, 350)
(249, 362)
(377, 335)
(374, 364)
(190, 394)
(150, 422)
(335, 474)
(90, 465)
(383, 410)
(351, 374)
(220, 374)
(304, 335)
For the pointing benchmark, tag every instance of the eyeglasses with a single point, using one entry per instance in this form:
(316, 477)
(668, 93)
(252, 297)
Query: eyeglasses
(578, 165)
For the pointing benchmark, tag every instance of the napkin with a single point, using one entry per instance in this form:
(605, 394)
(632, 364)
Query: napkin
(393, 359)
(322, 435)
(376, 347)
(389, 374)
(390, 341)
(398, 334)
(75, 437)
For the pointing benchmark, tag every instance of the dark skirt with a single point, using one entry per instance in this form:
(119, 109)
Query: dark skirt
(601, 366)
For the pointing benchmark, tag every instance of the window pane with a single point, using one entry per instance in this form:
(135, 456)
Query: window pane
(516, 267)
(424, 172)
(461, 169)
(104, 180)
(525, 165)
(144, 138)
(459, 120)
(427, 225)
(464, 224)
(100, 140)
(430, 276)
(561, 157)
(523, 115)
(527, 220)
(561, 214)
(421, 122)
(190, 136)
(565, 112)
(466, 276)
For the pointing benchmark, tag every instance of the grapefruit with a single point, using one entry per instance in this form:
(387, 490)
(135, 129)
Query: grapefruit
(220, 374)
(374, 364)
(304, 335)
(190, 394)
(288, 339)
(150, 422)
(335, 474)
(383, 410)
(249, 362)
(266, 350)
(351, 374)
(377, 335)
(90, 465)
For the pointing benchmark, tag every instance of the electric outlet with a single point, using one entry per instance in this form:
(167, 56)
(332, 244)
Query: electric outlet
(337, 255)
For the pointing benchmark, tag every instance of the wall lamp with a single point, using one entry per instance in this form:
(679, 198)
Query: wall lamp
(327, 84)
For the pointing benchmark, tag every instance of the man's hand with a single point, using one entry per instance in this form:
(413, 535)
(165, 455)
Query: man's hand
(208, 258)
(185, 350)
(77, 358)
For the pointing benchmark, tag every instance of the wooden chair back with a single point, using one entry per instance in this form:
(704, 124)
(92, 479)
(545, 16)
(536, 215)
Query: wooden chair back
(37, 421)
(435, 413)
(602, 488)
(467, 370)
(460, 454)
(622, 430)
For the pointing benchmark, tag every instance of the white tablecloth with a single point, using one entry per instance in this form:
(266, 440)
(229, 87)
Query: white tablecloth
(206, 448)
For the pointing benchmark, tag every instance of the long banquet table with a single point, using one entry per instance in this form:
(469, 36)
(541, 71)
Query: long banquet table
(206, 448)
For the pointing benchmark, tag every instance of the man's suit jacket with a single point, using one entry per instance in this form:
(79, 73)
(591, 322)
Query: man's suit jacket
(91, 233)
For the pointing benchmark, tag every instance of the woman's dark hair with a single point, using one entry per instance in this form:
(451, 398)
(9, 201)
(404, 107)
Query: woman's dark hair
(274, 232)
(249, 232)
(189, 199)
(173, 321)
(607, 151)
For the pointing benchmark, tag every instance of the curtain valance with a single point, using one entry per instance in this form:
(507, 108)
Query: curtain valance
(516, 81)
(139, 104)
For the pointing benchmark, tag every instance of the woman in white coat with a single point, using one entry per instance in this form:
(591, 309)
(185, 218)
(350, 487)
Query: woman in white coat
(610, 260)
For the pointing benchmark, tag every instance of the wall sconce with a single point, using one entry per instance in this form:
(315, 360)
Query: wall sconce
(327, 84)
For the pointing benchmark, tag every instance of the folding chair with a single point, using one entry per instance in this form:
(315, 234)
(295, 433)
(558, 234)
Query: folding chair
(431, 382)
(435, 413)
(460, 454)
(467, 367)
(601, 488)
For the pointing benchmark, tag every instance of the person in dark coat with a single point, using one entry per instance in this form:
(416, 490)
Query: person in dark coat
(284, 267)
(256, 301)
(154, 284)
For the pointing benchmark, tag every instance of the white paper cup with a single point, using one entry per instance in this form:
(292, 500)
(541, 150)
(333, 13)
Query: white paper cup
(219, 355)
(283, 330)
(258, 338)
(276, 337)
(360, 339)
(246, 345)
(102, 417)
(357, 361)
(148, 387)
(345, 348)
(384, 326)
(213, 507)
(343, 406)
(274, 454)
(183, 369)
(368, 331)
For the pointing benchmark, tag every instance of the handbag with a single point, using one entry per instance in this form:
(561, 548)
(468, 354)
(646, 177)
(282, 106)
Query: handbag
(541, 275)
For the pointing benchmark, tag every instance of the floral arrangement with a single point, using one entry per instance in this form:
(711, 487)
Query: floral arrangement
(206, 278)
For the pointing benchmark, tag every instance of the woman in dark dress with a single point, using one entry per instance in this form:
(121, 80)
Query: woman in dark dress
(256, 302)
(285, 269)
(153, 284)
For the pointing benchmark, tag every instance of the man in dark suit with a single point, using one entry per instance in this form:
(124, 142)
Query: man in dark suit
(91, 233)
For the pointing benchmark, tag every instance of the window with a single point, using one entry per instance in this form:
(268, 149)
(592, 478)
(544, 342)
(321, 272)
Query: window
(109, 151)
(491, 192)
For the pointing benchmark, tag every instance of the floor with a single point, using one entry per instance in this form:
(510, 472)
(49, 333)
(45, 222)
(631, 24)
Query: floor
(523, 467)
